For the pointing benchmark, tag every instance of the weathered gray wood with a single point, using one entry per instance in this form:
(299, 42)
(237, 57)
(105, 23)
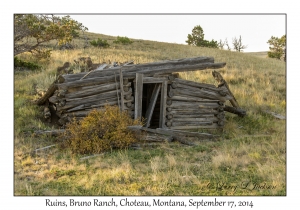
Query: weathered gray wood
(195, 84)
(240, 112)
(98, 97)
(43, 148)
(53, 87)
(131, 75)
(138, 96)
(192, 99)
(191, 112)
(277, 116)
(190, 123)
(194, 127)
(163, 104)
(151, 106)
(85, 112)
(211, 118)
(142, 67)
(93, 104)
(121, 90)
(218, 92)
(172, 133)
(197, 93)
(186, 133)
(49, 132)
(94, 90)
(182, 140)
(195, 105)
(147, 80)
(222, 83)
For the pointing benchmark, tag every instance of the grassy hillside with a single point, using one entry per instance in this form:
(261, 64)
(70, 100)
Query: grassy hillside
(248, 159)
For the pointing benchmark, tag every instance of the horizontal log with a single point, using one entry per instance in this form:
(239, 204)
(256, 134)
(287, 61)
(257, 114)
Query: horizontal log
(195, 127)
(195, 84)
(193, 111)
(96, 90)
(219, 92)
(197, 93)
(131, 75)
(94, 104)
(98, 97)
(195, 105)
(192, 120)
(189, 123)
(192, 99)
(139, 68)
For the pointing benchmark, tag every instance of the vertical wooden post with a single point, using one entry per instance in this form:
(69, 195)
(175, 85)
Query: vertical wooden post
(122, 90)
(138, 94)
(152, 103)
(163, 104)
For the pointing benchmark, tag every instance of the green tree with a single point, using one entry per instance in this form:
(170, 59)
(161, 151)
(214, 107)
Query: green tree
(32, 31)
(197, 38)
(277, 47)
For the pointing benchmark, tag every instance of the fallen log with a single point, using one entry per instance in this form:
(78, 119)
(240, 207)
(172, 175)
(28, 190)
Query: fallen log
(183, 141)
(49, 133)
(235, 110)
(172, 133)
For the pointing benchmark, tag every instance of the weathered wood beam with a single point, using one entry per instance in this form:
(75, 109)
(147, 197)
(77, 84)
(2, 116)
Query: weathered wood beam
(169, 132)
(53, 87)
(163, 104)
(138, 96)
(131, 75)
(121, 90)
(235, 110)
(197, 93)
(94, 90)
(196, 105)
(138, 68)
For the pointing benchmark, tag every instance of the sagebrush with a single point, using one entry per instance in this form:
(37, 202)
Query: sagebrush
(101, 130)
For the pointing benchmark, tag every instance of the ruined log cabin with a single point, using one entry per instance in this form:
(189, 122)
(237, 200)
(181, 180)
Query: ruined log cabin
(152, 91)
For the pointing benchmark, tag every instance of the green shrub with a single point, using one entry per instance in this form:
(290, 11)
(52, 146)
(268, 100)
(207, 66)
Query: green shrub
(101, 130)
(123, 40)
(23, 64)
(99, 43)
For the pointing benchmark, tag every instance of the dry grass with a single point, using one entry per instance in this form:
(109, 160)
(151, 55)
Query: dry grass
(251, 150)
